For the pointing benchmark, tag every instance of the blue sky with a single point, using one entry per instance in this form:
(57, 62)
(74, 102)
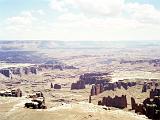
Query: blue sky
(156, 3)
(14, 7)
(80, 20)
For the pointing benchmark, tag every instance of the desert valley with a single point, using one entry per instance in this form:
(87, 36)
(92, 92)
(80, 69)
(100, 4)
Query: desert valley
(79, 80)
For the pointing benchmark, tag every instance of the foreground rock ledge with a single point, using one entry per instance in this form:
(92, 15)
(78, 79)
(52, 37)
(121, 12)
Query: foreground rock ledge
(74, 111)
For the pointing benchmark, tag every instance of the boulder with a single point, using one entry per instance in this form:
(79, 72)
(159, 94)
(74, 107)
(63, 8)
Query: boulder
(56, 86)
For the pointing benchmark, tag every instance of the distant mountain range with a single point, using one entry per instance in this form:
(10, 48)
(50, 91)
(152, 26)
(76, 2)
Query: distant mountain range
(28, 51)
(28, 45)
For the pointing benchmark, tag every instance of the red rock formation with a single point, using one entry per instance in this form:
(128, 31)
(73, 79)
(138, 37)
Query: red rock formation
(18, 93)
(118, 102)
(133, 103)
(56, 86)
(139, 108)
(79, 85)
(93, 90)
(154, 92)
(144, 88)
(94, 78)
(39, 94)
(33, 70)
(12, 93)
(51, 85)
(90, 99)
(97, 89)
(149, 107)
(6, 72)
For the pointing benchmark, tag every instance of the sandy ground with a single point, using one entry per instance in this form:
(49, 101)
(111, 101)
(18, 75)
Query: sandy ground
(5, 65)
(66, 104)
(14, 110)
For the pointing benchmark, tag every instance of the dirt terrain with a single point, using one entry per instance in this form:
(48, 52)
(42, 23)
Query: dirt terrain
(67, 104)
(11, 110)
(70, 104)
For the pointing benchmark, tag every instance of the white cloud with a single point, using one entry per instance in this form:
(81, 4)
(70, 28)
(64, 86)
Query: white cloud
(20, 22)
(100, 7)
(108, 8)
(90, 7)
(144, 13)
(70, 17)
(83, 28)
(41, 12)
(107, 20)
(89, 20)
(24, 22)
(58, 5)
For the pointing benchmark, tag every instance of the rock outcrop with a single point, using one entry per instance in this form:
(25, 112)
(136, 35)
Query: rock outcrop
(149, 107)
(6, 72)
(56, 86)
(37, 101)
(11, 93)
(118, 102)
(97, 89)
(79, 85)
(95, 78)
(155, 92)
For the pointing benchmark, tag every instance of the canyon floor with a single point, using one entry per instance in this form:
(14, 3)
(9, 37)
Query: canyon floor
(136, 63)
